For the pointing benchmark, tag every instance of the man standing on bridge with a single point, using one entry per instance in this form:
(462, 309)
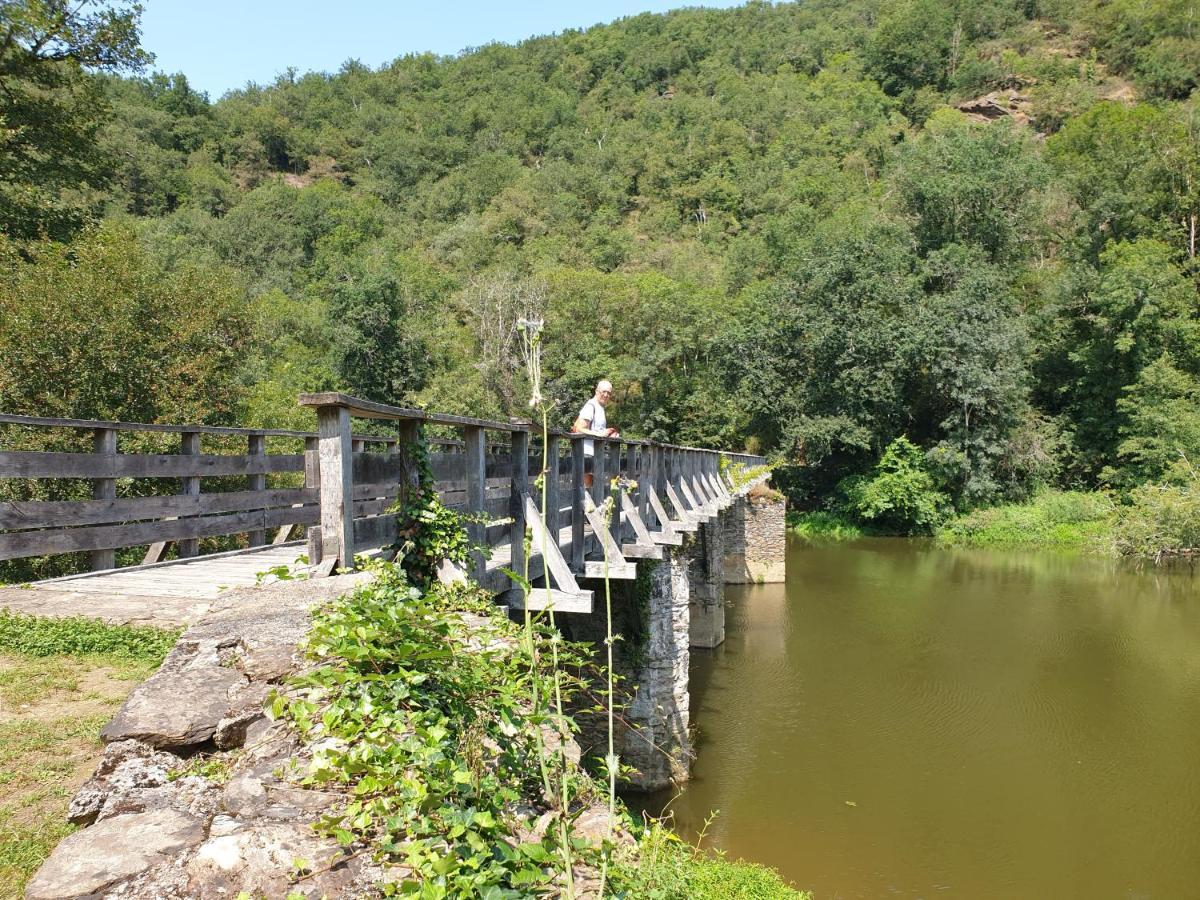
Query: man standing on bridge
(591, 420)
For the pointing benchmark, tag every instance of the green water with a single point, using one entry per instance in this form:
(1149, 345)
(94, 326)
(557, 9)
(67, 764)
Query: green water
(902, 721)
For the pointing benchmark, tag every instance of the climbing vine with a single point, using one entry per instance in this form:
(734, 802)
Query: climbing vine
(429, 531)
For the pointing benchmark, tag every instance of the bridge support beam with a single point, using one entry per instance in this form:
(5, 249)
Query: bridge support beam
(755, 537)
(706, 585)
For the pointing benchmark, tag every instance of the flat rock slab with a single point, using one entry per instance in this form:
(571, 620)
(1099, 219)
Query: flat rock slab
(88, 861)
(175, 709)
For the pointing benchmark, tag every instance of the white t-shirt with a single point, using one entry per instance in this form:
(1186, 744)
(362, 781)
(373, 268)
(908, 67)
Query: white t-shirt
(592, 413)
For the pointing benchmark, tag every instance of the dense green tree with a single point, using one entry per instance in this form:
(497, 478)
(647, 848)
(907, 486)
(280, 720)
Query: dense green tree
(1112, 323)
(51, 111)
(99, 330)
(1161, 422)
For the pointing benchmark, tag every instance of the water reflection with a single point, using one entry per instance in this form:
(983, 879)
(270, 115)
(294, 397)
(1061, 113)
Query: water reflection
(903, 721)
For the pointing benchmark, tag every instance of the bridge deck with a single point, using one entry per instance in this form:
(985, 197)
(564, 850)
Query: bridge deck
(177, 592)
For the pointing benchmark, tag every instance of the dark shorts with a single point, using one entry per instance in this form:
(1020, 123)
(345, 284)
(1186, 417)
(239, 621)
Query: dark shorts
(589, 463)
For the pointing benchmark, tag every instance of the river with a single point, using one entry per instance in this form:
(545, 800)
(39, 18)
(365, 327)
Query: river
(904, 721)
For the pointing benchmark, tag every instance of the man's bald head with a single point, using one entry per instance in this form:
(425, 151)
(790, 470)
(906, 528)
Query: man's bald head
(604, 390)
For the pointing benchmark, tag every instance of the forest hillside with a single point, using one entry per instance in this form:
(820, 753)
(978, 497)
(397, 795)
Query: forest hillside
(957, 237)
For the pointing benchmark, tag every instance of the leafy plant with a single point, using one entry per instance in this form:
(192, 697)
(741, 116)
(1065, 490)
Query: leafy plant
(429, 725)
(900, 495)
(430, 531)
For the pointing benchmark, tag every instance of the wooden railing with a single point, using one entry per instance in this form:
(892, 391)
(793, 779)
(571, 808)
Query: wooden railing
(106, 486)
(130, 499)
(494, 469)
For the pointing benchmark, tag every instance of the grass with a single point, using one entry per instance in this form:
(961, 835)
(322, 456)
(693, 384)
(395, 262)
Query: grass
(818, 525)
(1060, 520)
(60, 681)
(664, 867)
(34, 636)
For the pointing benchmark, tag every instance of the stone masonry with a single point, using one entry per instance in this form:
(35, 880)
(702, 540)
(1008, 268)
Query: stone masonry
(755, 535)
(660, 749)
(706, 585)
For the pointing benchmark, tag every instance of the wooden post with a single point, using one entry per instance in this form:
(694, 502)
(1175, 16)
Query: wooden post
(518, 488)
(634, 455)
(104, 442)
(189, 446)
(408, 432)
(337, 486)
(617, 528)
(256, 444)
(599, 471)
(476, 477)
(550, 458)
(578, 514)
(651, 475)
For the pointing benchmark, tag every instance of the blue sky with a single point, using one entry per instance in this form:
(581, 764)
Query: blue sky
(221, 45)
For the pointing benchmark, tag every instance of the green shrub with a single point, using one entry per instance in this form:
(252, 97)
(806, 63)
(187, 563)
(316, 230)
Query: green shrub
(900, 497)
(1059, 519)
(664, 867)
(819, 525)
(1162, 521)
(35, 636)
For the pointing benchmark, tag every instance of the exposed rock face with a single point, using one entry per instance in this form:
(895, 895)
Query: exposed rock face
(998, 105)
(165, 822)
(178, 708)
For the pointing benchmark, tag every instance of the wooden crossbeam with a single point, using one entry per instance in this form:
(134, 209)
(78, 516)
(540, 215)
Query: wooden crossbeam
(643, 547)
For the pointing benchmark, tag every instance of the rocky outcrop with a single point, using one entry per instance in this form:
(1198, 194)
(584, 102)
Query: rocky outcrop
(197, 793)
(998, 105)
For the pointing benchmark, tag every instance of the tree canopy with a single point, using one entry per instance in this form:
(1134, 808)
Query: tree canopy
(814, 229)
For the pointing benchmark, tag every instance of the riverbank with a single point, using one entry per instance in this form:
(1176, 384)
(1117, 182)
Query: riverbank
(416, 740)
(1052, 520)
(60, 681)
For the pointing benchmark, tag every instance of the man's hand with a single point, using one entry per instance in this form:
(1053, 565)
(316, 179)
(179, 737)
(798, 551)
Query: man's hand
(612, 432)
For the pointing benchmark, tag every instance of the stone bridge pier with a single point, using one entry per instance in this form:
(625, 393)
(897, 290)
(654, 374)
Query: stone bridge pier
(676, 604)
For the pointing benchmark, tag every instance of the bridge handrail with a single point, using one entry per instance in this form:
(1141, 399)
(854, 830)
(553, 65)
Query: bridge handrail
(692, 478)
(472, 474)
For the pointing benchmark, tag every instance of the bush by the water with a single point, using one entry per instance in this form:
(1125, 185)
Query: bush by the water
(426, 695)
(900, 495)
(668, 868)
(1161, 521)
(820, 525)
(1061, 519)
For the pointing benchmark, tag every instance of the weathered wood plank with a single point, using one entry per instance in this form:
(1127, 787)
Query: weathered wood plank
(516, 508)
(368, 409)
(559, 601)
(377, 531)
(578, 513)
(256, 445)
(41, 421)
(552, 558)
(34, 464)
(67, 513)
(337, 510)
(70, 540)
(189, 487)
(475, 494)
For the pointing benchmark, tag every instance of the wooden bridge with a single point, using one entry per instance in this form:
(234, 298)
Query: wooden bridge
(276, 501)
